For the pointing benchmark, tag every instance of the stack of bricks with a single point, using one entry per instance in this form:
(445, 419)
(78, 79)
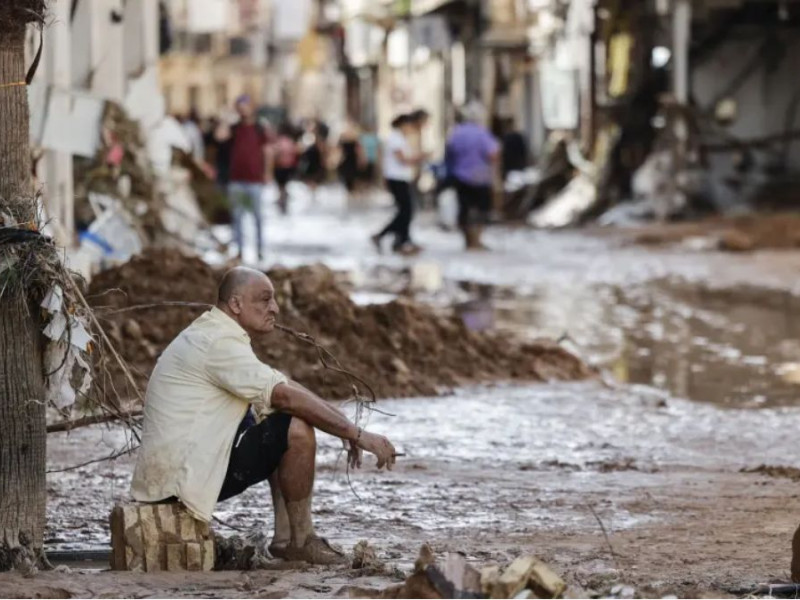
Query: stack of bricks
(159, 537)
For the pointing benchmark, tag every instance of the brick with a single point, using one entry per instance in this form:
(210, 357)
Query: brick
(175, 557)
(151, 537)
(168, 523)
(188, 530)
(154, 537)
(203, 530)
(193, 557)
(208, 555)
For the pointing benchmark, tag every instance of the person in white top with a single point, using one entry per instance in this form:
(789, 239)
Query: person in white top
(217, 420)
(399, 161)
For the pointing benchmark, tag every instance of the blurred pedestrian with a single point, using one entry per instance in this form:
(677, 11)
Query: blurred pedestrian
(419, 118)
(352, 158)
(286, 159)
(515, 150)
(399, 162)
(315, 155)
(471, 156)
(370, 145)
(250, 168)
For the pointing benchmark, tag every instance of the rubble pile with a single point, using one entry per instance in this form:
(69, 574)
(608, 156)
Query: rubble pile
(401, 348)
(525, 577)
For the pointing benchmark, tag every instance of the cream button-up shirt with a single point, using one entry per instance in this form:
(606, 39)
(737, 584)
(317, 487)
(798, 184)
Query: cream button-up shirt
(198, 394)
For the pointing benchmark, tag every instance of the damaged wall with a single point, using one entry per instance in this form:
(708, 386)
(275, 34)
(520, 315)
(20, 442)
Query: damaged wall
(757, 67)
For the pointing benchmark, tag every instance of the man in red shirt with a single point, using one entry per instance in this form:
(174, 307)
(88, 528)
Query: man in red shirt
(250, 169)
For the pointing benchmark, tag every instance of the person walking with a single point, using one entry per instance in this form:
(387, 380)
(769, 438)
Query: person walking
(315, 155)
(471, 156)
(286, 158)
(399, 162)
(250, 169)
(370, 146)
(352, 158)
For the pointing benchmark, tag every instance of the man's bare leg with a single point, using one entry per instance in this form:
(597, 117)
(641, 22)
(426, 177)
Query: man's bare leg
(295, 479)
(283, 532)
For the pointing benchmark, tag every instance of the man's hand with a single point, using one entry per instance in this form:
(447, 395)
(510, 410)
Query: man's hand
(380, 446)
(354, 455)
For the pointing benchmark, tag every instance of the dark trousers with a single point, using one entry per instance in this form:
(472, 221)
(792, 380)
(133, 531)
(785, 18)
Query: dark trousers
(474, 204)
(400, 225)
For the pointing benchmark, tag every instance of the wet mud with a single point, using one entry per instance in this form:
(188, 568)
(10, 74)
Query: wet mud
(684, 450)
(515, 469)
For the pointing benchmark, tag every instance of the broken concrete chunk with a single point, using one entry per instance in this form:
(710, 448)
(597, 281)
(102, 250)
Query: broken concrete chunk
(515, 578)
(545, 582)
(489, 578)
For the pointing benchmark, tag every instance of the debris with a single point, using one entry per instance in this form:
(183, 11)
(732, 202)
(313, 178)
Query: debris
(382, 343)
(455, 579)
(489, 579)
(545, 583)
(568, 205)
(515, 578)
(364, 556)
(525, 577)
(623, 591)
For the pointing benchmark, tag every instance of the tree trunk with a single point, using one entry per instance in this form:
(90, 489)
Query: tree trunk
(22, 410)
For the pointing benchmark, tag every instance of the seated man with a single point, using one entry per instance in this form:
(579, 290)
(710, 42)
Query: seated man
(217, 420)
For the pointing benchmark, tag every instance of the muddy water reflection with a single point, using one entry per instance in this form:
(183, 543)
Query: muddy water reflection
(735, 347)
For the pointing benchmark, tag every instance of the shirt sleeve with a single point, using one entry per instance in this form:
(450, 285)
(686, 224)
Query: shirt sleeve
(490, 144)
(232, 365)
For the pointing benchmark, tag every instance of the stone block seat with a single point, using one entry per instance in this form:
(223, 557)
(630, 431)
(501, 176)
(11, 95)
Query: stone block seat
(159, 537)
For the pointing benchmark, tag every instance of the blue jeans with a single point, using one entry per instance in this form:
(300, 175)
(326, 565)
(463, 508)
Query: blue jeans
(246, 197)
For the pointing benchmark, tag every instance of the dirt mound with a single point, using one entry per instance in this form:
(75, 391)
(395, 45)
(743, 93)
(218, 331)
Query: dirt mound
(743, 233)
(401, 348)
(780, 472)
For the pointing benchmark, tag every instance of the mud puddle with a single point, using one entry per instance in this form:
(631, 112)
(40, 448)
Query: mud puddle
(736, 347)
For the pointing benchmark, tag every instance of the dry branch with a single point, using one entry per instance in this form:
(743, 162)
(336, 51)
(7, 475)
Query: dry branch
(91, 420)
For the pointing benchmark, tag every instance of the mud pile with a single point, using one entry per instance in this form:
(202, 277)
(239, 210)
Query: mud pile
(401, 348)
(733, 234)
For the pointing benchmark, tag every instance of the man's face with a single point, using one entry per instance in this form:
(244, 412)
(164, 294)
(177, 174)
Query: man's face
(255, 306)
(244, 108)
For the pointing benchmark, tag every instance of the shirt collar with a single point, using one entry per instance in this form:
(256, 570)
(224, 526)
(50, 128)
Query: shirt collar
(226, 321)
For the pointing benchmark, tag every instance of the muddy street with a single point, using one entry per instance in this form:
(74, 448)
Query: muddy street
(666, 451)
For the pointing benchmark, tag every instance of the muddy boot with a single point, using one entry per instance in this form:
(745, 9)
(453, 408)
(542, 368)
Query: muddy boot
(316, 551)
(796, 556)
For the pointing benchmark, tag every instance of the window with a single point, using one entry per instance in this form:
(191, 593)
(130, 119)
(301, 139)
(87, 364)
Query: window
(239, 46)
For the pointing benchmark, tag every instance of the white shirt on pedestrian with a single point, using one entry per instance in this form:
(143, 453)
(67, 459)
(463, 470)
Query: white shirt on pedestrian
(197, 396)
(392, 167)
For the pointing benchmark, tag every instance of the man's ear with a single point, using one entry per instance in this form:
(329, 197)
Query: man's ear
(235, 304)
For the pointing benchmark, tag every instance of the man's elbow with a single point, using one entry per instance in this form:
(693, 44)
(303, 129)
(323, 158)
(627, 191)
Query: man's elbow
(281, 398)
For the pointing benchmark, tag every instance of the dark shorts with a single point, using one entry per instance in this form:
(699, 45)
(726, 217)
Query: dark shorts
(257, 451)
(284, 175)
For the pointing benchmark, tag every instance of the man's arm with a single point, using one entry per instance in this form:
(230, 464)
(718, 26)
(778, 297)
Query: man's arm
(294, 399)
(269, 162)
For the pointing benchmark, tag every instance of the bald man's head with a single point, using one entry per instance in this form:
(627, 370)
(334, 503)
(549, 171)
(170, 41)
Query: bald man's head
(248, 297)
